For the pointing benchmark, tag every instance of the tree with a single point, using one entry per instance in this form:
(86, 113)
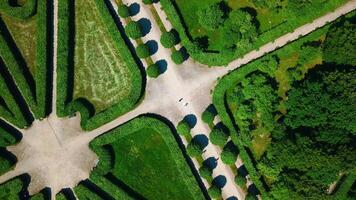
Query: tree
(123, 11)
(211, 17)
(240, 180)
(142, 51)
(241, 23)
(133, 30)
(214, 192)
(229, 156)
(218, 136)
(168, 39)
(340, 44)
(177, 57)
(250, 196)
(183, 128)
(205, 172)
(153, 71)
(208, 117)
(147, 2)
(194, 149)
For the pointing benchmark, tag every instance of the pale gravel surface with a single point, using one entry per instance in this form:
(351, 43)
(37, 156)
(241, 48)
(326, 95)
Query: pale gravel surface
(162, 95)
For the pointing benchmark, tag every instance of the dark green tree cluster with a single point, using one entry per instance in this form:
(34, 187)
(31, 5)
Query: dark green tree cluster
(211, 17)
(194, 149)
(214, 192)
(206, 172)
(340, 44)
(177, 57)
(142, 51)
(183, 128)
(218, 136)
(229, 154)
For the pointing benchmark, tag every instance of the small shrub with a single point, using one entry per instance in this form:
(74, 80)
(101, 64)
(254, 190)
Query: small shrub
(153, 71)
(240, 180)
(205, 172)
(183, 128)
(250, 196)
(142, 51)
(168, 39)
(214, 192)
(123, 11)
(194, 150)
(218, 137)
(133, 30)
(207, 117)
(228, 156)
(177, 57)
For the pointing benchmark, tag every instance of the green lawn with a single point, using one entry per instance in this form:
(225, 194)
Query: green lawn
(148, 160)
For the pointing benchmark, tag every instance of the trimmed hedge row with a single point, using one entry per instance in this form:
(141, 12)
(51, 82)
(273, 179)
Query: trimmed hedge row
(223, 58)
(65, 103)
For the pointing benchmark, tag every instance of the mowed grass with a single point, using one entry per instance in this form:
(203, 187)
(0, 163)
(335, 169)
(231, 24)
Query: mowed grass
(148, 160)
(101, 74)
(24, 34)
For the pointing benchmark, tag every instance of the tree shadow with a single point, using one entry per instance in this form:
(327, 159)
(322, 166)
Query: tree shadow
(152, 46)
(97, 190)
(24, 194)
(191, 120)
(68, 193)
(232, 198)
(119, 183)
(219, 181)
(162, 66)
(252, 189)
(201, 140)
(11, 130)
(242, 170)
(185, 53)
(134, 9)
(211, 163)
(145, 26)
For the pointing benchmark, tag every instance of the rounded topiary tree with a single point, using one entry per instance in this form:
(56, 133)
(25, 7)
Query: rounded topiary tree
(183, 128)
(147, 2)
(214, 192)
(229, 156)
(207, 117)
(133, 30)
(240, 180)
(123, 11)
(194, 149)
(177, 57)
(205, 172)
(142, 51)
(218, 137)
(153, 71)
(168, 39)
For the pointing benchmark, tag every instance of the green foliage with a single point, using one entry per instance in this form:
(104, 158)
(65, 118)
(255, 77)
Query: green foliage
(250, 196)
(153, 71)
(205, 172)
(183, 128)
(340, 44)
(194, 149)
(168, 39)
(208, 117)
(214, 192)
(211, 17)
(218, 136)
(240, 180)
(142, 51)
(177, 57)
(133, 30)
(147, 2)
(229, 155)
(123, 11)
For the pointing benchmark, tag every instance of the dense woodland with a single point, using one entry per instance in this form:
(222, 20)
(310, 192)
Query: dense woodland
(302, 132)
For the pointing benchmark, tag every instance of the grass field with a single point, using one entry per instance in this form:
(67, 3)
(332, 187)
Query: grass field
(148, 160)
(101, 74)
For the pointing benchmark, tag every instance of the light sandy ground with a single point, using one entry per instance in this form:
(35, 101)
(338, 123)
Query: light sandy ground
(55, 151)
